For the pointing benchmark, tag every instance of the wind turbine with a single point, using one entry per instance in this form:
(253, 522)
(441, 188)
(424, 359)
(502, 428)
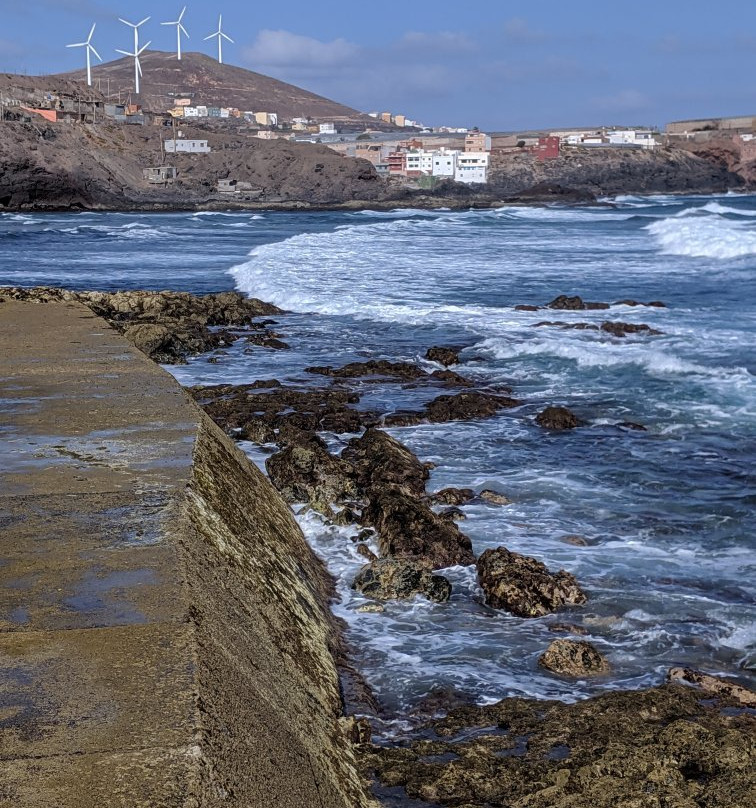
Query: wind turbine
(90, 50)
(137, 50)
(221, 36)
(179, 29)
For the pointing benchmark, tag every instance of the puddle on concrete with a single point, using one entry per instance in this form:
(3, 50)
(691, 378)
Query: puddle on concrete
(105, 596)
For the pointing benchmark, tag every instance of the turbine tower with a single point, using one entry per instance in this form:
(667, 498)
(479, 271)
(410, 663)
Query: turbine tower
(90, 50)
(179, 30)
(221, 36)
(137, 50)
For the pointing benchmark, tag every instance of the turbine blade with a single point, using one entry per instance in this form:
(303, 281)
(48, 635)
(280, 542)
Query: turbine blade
(77, 45)
(89, 38)
(226, 37)
(91, 47)
(181, 16)
(126, 22)
(125, 53)
(167, 23)
(142, 22)
(184, 31)
(211, 36)
(143, 48)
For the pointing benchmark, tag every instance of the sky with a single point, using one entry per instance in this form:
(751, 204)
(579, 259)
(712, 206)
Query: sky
(497, 64)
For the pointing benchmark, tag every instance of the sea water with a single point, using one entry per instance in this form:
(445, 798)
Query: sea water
(666, 517)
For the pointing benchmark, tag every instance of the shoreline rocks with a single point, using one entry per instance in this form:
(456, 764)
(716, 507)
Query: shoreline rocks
(395, 579)
(574, 658)
(524, 586)
(557, 419)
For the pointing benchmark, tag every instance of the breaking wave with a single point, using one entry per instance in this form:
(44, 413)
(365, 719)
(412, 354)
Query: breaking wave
(705, 236)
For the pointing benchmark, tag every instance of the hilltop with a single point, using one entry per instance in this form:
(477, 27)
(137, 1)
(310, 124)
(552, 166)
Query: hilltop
(205, 81)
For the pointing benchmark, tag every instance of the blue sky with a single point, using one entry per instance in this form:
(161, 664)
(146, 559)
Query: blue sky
(497, 64)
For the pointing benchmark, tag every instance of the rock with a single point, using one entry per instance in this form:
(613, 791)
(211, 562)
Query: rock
(574, 303)
(449, 378)
(346, 516)
(654, 303)
(465, 406)
(394, 579)
(357, 730)
(571, 326)
(371, 608)
(557, 418)
(713, 684)
(524, 586)
(380, 462)
(453, 514)
(306, 472)
(444, 356)
(575, 541)
(566, 628)
(526, 307)
(381, 369)
(619, 329)
(631, 425)
(574, 658)
(494, 497)
(366, 552)
(408, 528)
(266, 340)
(662, 746)
(452, 496)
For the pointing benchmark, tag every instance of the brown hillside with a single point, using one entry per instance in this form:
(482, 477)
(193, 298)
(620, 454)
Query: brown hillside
(207, 82)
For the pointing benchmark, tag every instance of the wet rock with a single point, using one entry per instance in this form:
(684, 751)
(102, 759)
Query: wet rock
(366, 552)
(453, 514)
(574, 658)
(570, 326)
(524, 586)
(574, 303)
(657, 748)
(408, 528)
(494, 497)
(380, 461)
(371, 608)
(631, 425)
(449, 378)
(654, 303)
(307, 472)
(526, 307)
(575, 541)
(443, 355)
(619, 329)
(567, 628)
(713, 684)
(394, 579)
(557, 418)
(452, 496)
(266, 340)
(357, 730)
(382, 369)
(346, 516)
(465, 406)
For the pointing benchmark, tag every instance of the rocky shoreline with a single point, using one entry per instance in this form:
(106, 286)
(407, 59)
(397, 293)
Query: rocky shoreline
(682, 744)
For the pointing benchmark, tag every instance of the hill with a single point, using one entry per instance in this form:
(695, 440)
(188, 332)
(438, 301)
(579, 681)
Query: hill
(206, 81)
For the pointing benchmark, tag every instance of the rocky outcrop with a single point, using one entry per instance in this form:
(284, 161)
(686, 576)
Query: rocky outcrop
(443, 355)
(395, 579)
(464, 406)
(713, 684)
(615, 328)
(382, 369)
(573, 658)
(167, 326)
(557, 418)
(657, 747)
(525, 586)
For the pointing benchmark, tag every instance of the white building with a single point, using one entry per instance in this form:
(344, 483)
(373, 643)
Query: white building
(472, 167)
(190, 112)
(327, 129)
(190, 146)
(444, 163)
(420, 162)
(632, 137)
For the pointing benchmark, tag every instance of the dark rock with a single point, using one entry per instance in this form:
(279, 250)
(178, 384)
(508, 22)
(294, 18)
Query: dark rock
(374, 367)
(381, 462)
(458, 407)
(619, 329)
(494, 497)
(450, 378)
(571, 326)
(266, 340)
(452, 496)
(393, 579)
(575, 541)
(567, 628)
(574, 303)
(641, 749)
(453, 514)
(573, 658)
(654, 303)
(306, 472)
(346, 516)
(366, 552)
(632, 426)
(443, 355)
(407, 528)
(526, 307)
(557, 418)
(524, 586)
(713, 684)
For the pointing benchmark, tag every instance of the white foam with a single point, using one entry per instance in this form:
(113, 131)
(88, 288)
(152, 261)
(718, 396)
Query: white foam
(707, 236)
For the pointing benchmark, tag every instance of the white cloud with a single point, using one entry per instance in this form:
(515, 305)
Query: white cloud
(284, 50)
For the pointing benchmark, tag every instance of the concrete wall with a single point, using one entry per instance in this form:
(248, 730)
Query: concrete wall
(165, 638)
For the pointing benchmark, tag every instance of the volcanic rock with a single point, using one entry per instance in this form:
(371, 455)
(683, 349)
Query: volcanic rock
(408, 528)
(557, 418)
(494, 497)
(657, 304)
(619, 329)
(573, 658)
(452, 496)
(574, 303)
(443, 355)
(394, 579)
(465, 406)
(712, 684)
(524, 586)
(526, 307)
(383, 369)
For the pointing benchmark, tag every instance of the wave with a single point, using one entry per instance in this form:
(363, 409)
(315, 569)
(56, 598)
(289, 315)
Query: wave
(560, 214)
(590, 354)
(401, 213)
(707, 236)
(131, 230)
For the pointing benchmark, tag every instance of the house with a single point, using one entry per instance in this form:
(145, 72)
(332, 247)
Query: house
(327, 129)
(547, 148)
(159, 174)
(188, 146)
(477, 141)
(644, 138)
(471, 167)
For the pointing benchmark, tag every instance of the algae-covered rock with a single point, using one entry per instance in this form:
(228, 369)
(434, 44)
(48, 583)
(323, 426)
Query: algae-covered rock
(557, 418)
(573, 658)
(393, 579)
(524, 586)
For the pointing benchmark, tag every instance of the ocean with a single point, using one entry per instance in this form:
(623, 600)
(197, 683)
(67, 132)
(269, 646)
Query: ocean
(666, 516)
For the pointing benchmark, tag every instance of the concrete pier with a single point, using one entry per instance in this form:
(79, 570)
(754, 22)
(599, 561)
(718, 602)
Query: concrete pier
(164, 631)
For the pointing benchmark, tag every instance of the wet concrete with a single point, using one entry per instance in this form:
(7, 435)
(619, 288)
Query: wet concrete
(137, 665)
